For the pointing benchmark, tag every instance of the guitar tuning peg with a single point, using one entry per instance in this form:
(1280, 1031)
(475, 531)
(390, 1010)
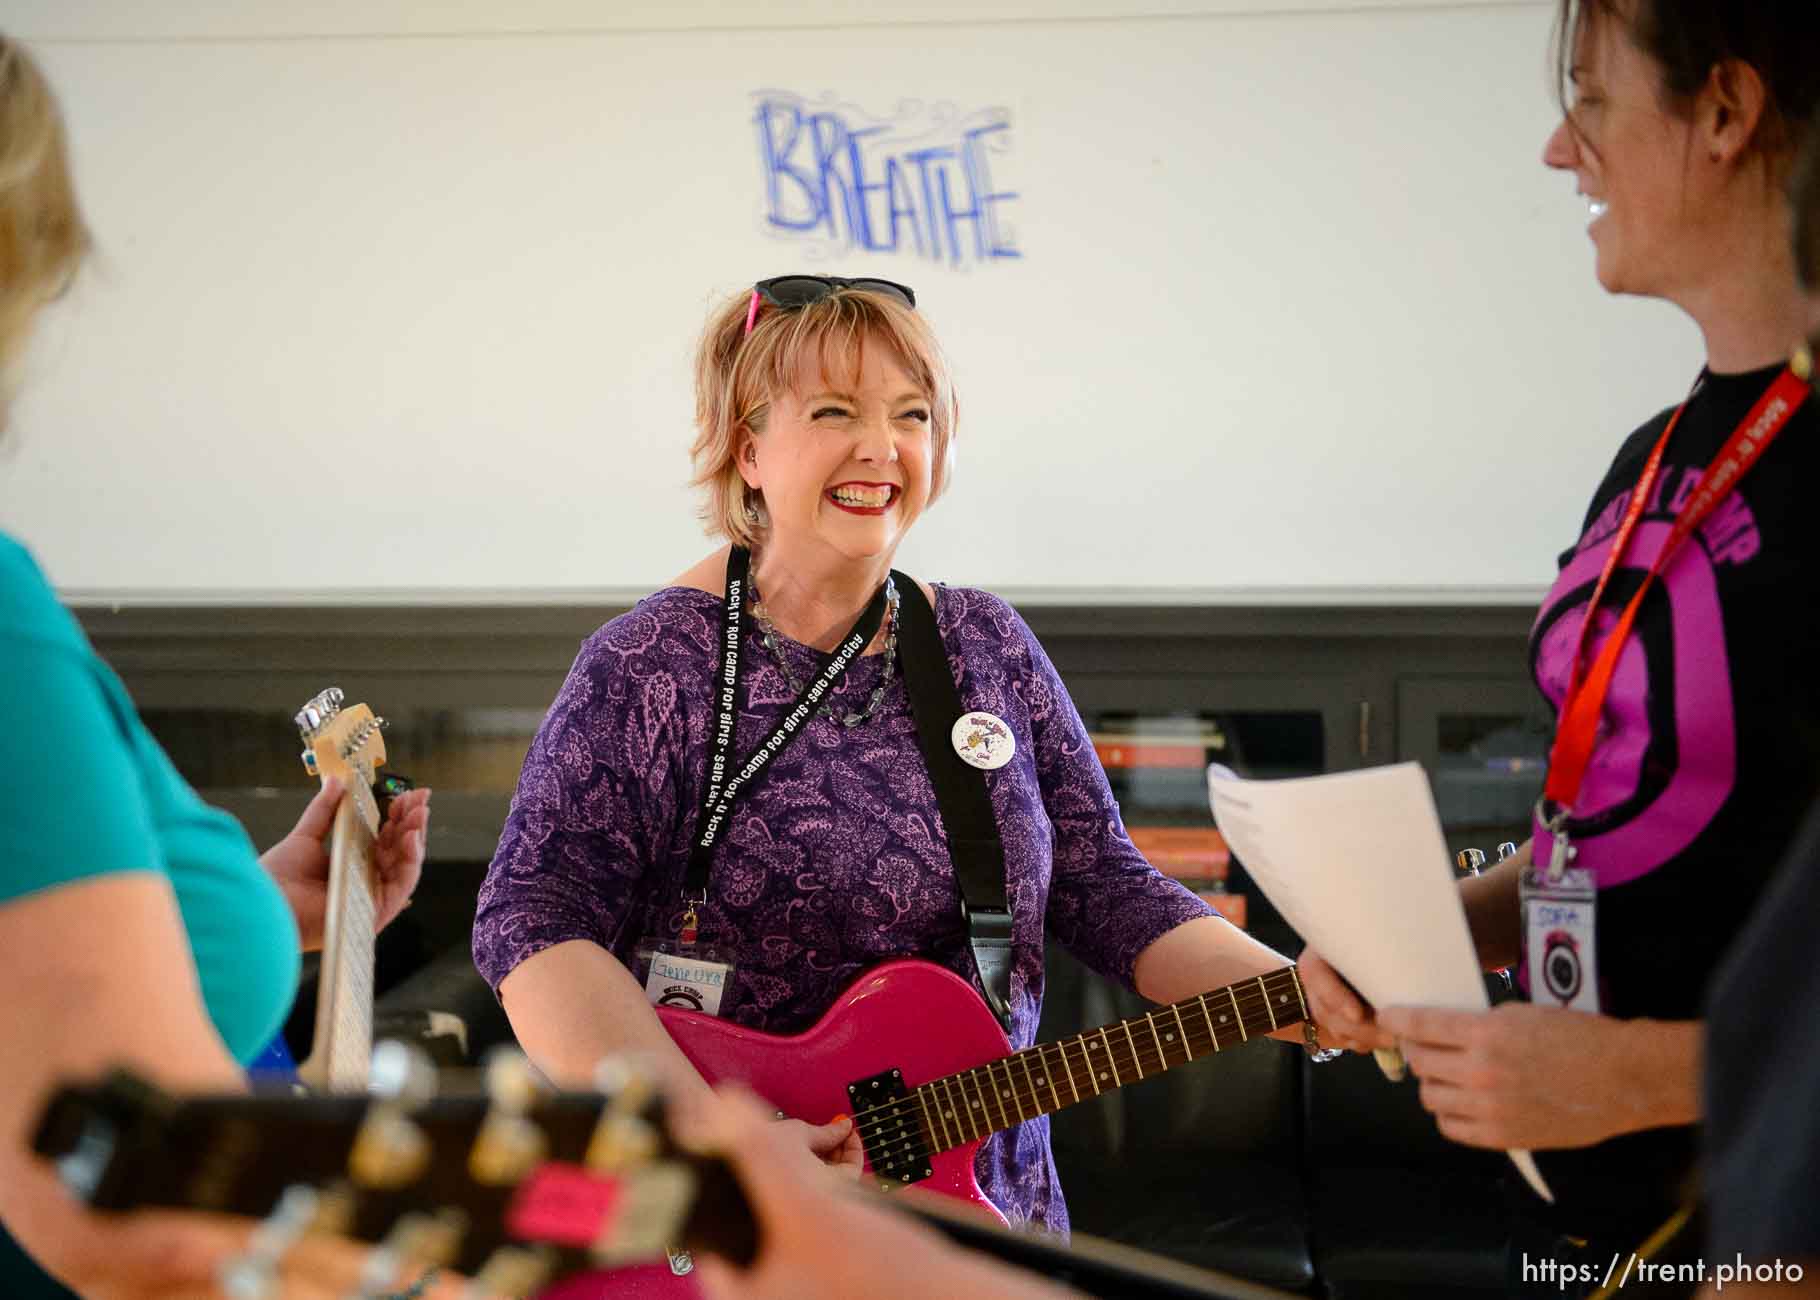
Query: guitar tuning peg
(390, 1150)
(509, 1144)
(655, 1194)
(334, 1210)
(1470, 860)
(402, 1072)
(321, 707)
(357, 738)
(416, 1244)
(512, 1271)
(254, 1274)
(1506, 850)
(624, 1137)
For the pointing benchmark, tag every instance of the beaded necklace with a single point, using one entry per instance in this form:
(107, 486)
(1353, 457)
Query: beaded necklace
(768, 632)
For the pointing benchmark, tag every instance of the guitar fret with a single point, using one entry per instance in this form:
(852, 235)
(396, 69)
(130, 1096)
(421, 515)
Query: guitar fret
(1135, 1063)
(1004, 1120)
(1265, 990)
(1212, 1033)
(932, 1121)
(1079, 1038)
(1048, 1069)
(971, 1102)
(1180, 1028)
(1011, 1087)
(1150, 1019)
(967, 1105)
(1301, 1001)
(1035, 1097)
(1107, 1044)
(1240, 1015)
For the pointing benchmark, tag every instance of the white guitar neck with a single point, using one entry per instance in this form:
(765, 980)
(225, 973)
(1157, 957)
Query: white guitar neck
(345, 744)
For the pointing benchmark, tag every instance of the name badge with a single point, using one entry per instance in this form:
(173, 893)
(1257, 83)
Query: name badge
(690, 981)
(1560, 927)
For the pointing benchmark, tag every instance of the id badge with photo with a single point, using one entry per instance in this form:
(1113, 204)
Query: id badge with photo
(688, 976)
(1559, 923)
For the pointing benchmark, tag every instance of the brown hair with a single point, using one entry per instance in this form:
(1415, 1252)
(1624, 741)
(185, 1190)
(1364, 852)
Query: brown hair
(42, 237)
(1689, 38)
(1804, 190)
(737, 375)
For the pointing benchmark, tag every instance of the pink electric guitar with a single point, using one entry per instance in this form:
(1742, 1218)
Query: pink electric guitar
(911, 1052)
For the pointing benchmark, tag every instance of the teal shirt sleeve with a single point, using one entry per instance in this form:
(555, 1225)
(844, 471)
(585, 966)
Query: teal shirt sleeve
(90, 793)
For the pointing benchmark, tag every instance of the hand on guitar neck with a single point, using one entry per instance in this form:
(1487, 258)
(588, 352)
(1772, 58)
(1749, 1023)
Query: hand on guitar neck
(299, 863)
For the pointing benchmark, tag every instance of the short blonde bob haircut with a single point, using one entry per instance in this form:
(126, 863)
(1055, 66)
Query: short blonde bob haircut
(737, 376)
(42, 237)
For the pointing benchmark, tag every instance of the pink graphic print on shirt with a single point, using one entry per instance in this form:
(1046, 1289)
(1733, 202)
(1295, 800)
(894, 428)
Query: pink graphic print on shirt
(1698, 699)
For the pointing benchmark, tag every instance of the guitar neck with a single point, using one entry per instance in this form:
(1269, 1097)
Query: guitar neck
(1040, 1080)
(342, 1049)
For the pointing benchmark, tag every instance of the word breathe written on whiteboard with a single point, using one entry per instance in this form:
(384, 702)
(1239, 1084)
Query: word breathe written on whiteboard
(838, 179)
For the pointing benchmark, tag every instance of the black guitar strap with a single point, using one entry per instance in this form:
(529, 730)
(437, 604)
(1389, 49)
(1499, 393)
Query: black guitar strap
(960, 791)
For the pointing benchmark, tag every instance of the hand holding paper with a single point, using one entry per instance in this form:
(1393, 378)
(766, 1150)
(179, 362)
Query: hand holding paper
(1356, 862)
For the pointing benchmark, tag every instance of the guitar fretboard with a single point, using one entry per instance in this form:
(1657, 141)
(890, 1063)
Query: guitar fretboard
(1039, 1080)
(341, 1056)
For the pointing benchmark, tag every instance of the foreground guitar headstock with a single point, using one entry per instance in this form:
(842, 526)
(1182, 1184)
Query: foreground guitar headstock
(511, 1183)
(513, 1186)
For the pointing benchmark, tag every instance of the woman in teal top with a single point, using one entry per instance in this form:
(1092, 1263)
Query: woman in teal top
(137, 925)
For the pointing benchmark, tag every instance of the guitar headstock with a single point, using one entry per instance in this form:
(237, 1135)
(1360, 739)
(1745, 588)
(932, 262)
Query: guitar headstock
(510, 1182)
(344, 742)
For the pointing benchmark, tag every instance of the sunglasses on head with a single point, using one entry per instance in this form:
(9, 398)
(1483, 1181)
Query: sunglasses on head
(792, 291)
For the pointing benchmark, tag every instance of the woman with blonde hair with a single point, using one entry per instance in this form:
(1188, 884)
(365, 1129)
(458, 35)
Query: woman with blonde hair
(727, 771)
(137, 927)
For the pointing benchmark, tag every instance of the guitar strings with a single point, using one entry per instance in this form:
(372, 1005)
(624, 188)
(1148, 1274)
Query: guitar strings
(920, 1123)
(1147, 1056)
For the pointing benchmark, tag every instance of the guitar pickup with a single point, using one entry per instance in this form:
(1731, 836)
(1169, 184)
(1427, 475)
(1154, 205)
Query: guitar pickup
(890, 1129)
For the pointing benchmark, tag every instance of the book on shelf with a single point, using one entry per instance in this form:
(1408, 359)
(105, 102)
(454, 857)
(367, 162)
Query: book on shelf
(1185, 852)
(1116, 752)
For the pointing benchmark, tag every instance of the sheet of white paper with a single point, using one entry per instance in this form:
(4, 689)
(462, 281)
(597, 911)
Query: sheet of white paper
(1356, 863)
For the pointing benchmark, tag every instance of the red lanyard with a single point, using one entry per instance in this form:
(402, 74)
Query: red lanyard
(1584, 702)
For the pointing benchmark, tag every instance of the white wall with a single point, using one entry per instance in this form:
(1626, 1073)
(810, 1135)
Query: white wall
(397, 299)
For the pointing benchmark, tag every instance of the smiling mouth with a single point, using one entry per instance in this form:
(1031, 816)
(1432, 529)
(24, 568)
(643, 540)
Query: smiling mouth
(863, 499)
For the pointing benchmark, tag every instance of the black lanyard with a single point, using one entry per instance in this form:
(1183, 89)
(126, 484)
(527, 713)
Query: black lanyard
(974, 845)
(724, 784)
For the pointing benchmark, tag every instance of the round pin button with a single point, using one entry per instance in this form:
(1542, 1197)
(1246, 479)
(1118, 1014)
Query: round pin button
(983, 740)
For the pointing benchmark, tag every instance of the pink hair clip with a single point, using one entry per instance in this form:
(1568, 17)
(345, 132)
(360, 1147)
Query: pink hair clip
(752, 313)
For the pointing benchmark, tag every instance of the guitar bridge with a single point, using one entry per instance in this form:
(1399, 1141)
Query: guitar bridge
(885, 1116)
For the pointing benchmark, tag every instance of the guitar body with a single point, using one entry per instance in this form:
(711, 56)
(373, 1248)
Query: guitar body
(912, 1016)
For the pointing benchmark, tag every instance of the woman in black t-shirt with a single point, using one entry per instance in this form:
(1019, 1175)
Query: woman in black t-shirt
(1678, 788)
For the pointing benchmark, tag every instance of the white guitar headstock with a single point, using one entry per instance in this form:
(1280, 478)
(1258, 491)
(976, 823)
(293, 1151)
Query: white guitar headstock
(344, 742)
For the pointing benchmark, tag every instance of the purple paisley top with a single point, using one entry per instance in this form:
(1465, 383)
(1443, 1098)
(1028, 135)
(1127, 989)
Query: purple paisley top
(835, 859)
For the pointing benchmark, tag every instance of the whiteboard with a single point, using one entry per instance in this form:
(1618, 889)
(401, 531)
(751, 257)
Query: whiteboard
(389, 309)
